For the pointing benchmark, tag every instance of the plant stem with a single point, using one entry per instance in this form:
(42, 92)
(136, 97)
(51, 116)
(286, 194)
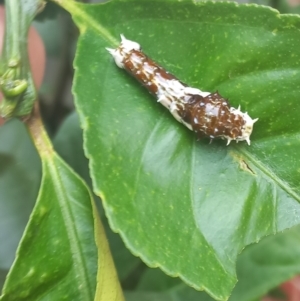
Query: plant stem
(38, 133)
(16, 81)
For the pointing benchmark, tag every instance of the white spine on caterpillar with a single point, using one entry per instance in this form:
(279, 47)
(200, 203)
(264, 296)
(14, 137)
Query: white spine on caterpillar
(190, 106)
(126, 46)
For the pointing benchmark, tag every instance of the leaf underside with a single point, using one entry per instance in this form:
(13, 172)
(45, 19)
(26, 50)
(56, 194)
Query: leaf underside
(187, 206)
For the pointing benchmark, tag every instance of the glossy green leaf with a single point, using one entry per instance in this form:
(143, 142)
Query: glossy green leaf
(260, 268)
(263, 266)
(154, 281)
(64, 254)
(57, 258)
(185, 206)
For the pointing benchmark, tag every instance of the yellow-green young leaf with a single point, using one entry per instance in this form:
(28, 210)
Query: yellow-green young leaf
(187, 206)
(108, 286)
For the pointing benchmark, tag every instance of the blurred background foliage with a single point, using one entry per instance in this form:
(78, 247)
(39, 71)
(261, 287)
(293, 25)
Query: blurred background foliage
(19, 186)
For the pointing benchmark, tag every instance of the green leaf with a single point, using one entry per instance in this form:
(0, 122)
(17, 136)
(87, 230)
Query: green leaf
(186, 206)
(57, 258)
(154, 280)
(260, 268)
(68, 143)
(19, 182)
(64, 254)
(108, 286)
(263, 266)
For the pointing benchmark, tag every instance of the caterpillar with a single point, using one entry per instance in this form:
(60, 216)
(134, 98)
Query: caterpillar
(207, 114)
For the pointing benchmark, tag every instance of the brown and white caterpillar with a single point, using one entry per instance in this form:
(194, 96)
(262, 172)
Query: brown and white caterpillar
(208, 114)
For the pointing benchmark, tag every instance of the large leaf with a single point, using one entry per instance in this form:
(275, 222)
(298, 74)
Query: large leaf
(187, 206)
(260, 268)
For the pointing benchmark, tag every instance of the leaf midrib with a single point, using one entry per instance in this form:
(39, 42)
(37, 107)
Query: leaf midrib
(68, 218)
